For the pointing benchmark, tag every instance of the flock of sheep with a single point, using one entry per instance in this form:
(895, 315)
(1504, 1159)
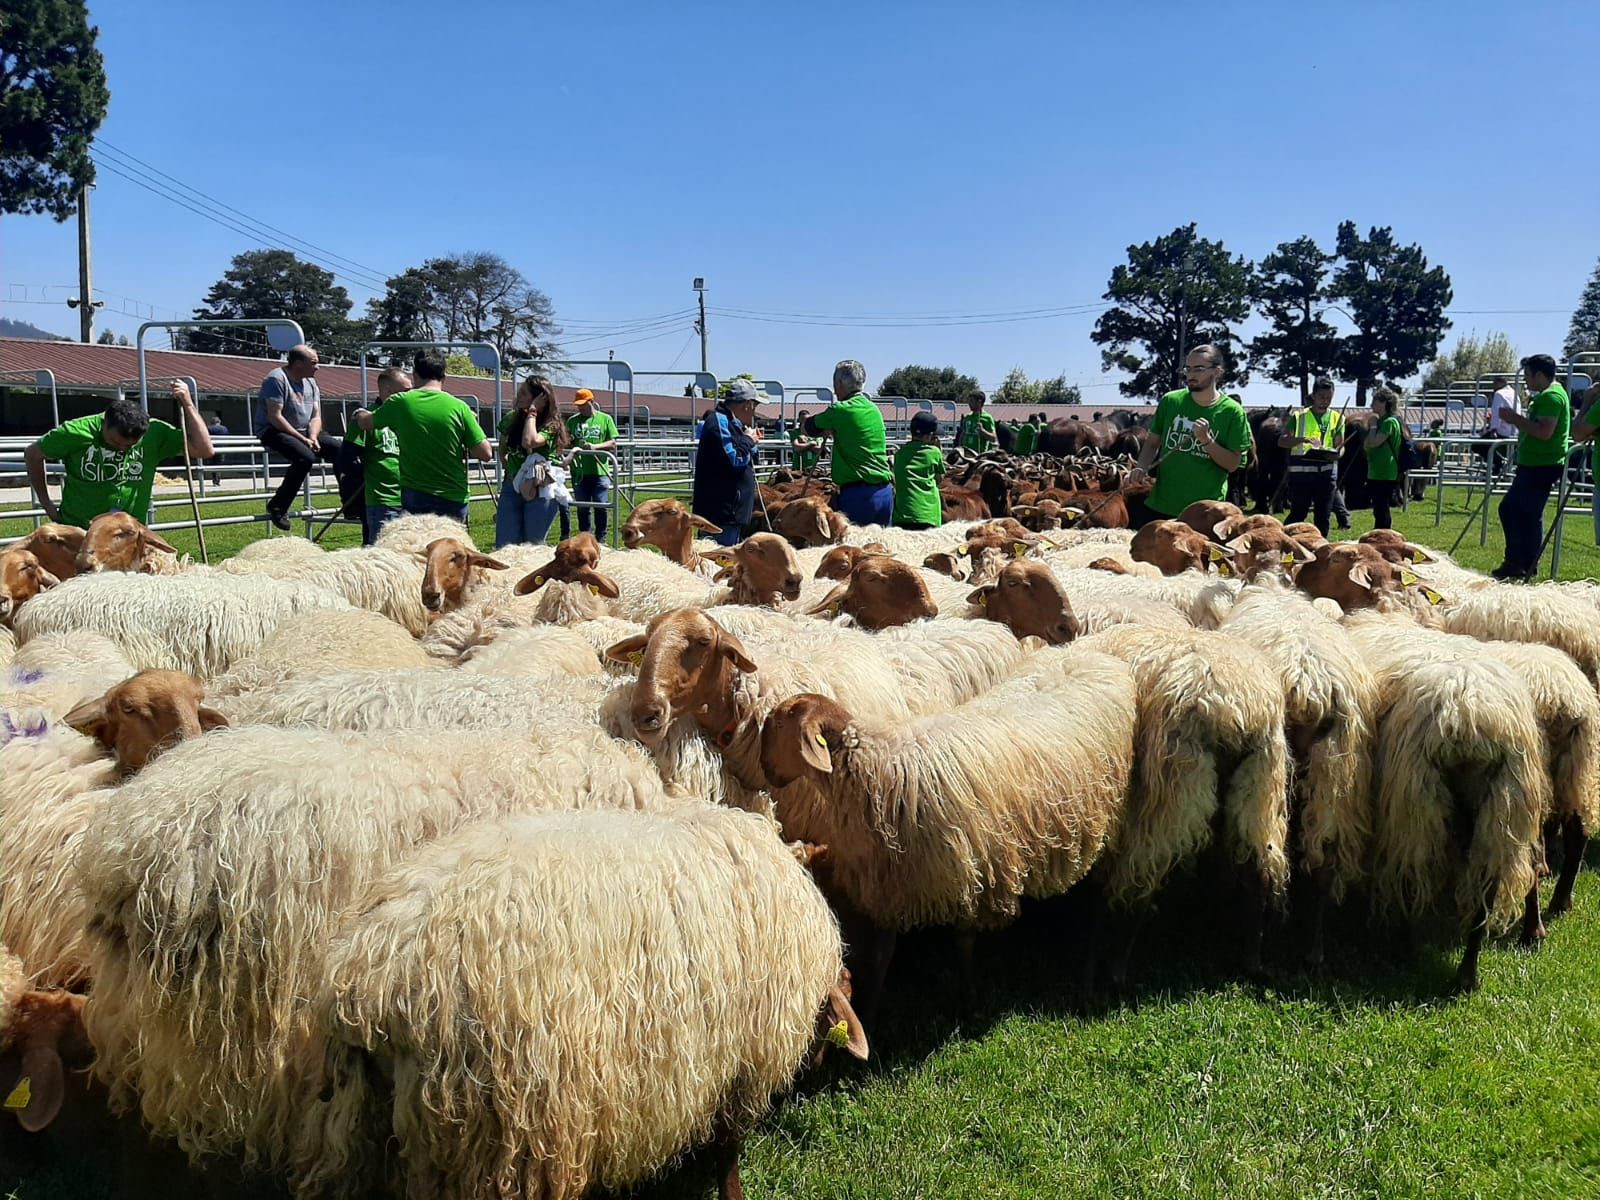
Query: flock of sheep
(454, 874)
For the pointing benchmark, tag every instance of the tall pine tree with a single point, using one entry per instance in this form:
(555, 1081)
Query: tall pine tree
(1288, 292)
(1584, 332)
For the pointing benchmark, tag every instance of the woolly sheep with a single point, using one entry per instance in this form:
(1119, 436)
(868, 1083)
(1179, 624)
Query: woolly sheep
(411, 533)
(675, 1015)
(213, 880)
(56, 672)
(1210, 744)
(381, 581)
(533, 650)
(8, 645)
(327, 640)
(953, 818)
(1458, 737)
(1506, 612)
(195, 623)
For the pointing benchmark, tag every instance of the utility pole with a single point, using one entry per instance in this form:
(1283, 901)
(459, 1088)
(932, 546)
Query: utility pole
(85, 296)
(700, 325)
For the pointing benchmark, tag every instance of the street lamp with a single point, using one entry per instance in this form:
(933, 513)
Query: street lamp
(700, 325)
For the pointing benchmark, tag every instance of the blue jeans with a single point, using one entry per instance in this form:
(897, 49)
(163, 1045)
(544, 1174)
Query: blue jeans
(378, 515)
(1522, 515)
(867, 503)
(413, 501)
(731, 535)
(519, 520)
(596, 489)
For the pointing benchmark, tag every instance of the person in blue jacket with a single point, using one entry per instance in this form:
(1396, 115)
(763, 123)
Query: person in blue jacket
(725, 463)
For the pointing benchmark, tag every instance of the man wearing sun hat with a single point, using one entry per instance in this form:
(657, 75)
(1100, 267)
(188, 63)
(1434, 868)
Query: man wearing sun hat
(591, 429)
(724, 464)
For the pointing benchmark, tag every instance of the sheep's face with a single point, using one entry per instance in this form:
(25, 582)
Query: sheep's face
(144, 715)
(118, 542)
(56, 547)
(840, 561)
(687, 664)
(809, 521)
(881, 592)
(1175, 548)
(947, 562)
(45, 1038)
(574, 563)
(1394, 547)
(1269, 551)
(1029, 600)
(1203, 516)
(763, 566)
(448, 566)
(1348, 573)
(800, 737)
(666, 525)
(22, 577)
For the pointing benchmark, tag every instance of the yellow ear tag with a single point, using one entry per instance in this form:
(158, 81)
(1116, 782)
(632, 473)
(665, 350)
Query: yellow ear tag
(821, 741)
(1431, 596)
(593, 591)
(1407, 578)
(22, 1095)
(1216, 554)
(1417, 556)
(636, 657)
(963, 550)
(1019, 549)
(1288, 557)
(538, 581)
(839, 1035)
(1224, 568)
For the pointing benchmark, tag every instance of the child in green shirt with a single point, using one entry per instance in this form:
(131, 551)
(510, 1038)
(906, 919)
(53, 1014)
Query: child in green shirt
(917, 468)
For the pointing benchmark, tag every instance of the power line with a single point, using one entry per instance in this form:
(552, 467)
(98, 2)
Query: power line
(945, 323)
(1013, 312)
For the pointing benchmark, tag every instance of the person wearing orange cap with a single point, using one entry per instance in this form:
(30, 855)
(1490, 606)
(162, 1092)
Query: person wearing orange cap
(594, 431)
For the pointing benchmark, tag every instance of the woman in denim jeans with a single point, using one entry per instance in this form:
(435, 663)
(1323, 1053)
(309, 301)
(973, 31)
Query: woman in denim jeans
(533, 426)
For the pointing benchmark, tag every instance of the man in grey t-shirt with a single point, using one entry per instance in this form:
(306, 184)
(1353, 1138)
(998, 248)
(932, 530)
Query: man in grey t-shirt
(289, 423)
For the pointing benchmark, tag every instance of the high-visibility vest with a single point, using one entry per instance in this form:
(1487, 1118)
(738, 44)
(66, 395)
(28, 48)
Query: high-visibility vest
(1324, 432)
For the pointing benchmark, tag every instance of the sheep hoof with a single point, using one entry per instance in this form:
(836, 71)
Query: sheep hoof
(1531, 938)
(1560, 906)
(1466, 983)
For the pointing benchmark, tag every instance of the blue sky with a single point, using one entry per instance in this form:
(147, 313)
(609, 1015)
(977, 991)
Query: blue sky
(869, 160)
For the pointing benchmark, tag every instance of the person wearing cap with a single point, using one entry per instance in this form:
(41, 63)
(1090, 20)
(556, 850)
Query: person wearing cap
(725, 463)
(917, 468)
(860, 463)
(591, 429)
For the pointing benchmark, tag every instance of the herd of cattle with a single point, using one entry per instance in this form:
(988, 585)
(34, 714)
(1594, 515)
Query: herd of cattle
(421, 869)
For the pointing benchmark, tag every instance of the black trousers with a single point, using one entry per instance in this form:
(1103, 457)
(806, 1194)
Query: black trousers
(1382, 493)
(1522, 514)
(300, 458)
(1311, 490)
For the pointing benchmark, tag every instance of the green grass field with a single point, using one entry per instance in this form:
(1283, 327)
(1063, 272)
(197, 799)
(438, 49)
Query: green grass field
(1364, 1079)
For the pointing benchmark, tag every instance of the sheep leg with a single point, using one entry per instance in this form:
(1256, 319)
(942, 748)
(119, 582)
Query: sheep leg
(1574, 837)
(729, 1185)
(966, 939)
(1257, 890)
(1532, 926)
(1321, 884)
(1122, 952)
(876, 950)
(1467, 975)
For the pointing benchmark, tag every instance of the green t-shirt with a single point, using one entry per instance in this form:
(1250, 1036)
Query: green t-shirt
(588, 431)
(970, 433)
(1552, 402)
(860, 449)
(435, 430)
(1186, 473)
(808, 459)
(101, 479)
(1383, 461)
(1027, 438)
(917, 467)
(380, 464)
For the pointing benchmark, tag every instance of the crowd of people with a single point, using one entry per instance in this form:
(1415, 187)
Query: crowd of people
(409, 453)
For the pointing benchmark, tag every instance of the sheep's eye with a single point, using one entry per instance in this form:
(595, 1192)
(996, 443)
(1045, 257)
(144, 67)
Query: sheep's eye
(124, 532)
(126, 706)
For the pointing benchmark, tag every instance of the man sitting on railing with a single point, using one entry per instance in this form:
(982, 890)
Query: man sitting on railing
(111, 458)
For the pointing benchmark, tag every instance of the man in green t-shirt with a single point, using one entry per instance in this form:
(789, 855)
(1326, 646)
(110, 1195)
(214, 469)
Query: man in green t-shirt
(380, 461)
(976, 431)
(591, 429)
(1027, 438)
(1200, 436)
(1543, 441)
(807, 451)
(917, 468)
(860, 448)
(436, 432)
(111, 458)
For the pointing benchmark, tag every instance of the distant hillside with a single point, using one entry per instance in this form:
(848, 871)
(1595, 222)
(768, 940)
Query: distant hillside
(21, 329)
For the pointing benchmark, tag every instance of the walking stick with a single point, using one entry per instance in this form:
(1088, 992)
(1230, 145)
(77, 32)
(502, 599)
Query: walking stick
(1561, 503)
(343, 508)
(483, 472)
(188, 477)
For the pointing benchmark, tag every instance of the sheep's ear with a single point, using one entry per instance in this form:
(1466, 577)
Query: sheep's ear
(814, 745)
(600, 585)
(844, 1027)
(47, 580)
(535, 581)
(722, 554)
(1299, 553)
(735, 653)
(1238, 545)
(474, 559)
(41, 1086)
(154, 541)
(210, 718)
(700, 522)
(725, 573)
(1025, 510)
(1418, 554)
(1360, 576)
(980, 597)
(1223, 529)
(872, 548)
(628, 650)
(89, 719)
(831, 602)
(809, 854)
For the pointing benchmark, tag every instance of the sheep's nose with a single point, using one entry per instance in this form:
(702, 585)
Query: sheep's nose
(430, 600)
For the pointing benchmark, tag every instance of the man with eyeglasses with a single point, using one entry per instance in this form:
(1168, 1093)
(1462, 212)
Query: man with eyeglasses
(289, 424)
(1200, 439)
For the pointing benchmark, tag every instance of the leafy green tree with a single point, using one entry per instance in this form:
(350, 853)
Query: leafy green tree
(1584, 332)
(476, 297)
(461, 364)
(938, 384)
(1059, 391)
(1017, 388)
(1470, 358)
(274, 283)
(1288, 292)
(1396, 302)
(53, 97)
(1176, 292)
